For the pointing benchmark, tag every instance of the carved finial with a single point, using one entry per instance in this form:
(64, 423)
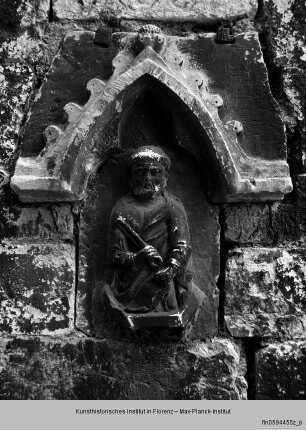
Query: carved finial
(51, 133)
(95, 85)
(236, 126)
(216, 100)
(150, 35)
(73, 111)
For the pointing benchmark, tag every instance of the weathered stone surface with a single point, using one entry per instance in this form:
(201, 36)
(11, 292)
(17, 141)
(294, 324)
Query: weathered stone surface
(288, 222)
(78, 61)
(16, 83)
(289, 219)
(36, 287)
(281, 371)
(282, 24)
(91, 369)
(23, 60)
(265, 292)
(54, 222)
(33, 13)
(174, 10)
(21, 14)
(301, 191)
(285, 23)
(248, 224)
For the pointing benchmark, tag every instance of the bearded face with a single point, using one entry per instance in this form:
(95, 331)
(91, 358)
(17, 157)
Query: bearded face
(148, 179)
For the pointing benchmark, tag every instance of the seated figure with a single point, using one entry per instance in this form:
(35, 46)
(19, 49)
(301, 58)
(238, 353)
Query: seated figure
(150, 248)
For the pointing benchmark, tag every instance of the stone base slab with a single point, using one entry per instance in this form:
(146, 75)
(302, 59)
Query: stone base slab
(137, 321)
(85, 368)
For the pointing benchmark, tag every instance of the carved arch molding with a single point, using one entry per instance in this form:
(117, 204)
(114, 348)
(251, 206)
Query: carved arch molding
(223, 87)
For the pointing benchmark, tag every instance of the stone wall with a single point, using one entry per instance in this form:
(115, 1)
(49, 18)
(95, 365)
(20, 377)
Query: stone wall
(259, 350)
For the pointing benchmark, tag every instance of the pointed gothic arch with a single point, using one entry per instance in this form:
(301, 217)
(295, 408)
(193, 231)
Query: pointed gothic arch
(61, 171)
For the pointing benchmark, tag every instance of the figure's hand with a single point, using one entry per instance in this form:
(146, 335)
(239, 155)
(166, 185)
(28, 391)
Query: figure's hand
(166, 274)
(151, 255)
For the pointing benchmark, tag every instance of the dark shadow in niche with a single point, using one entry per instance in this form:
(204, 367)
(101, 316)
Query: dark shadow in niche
(155, 116)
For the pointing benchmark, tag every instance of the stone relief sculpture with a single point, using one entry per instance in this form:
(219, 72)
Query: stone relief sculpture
(150, 249)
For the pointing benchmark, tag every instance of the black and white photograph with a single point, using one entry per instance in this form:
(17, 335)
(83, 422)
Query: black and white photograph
(153, 212)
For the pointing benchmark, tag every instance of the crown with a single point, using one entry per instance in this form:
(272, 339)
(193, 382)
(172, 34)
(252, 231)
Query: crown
(152, 153)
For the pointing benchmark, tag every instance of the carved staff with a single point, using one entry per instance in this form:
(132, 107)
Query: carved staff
(144, 275)
(134, 237)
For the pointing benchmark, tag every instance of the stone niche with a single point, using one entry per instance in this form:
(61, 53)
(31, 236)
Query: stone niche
(152, 116)
(184, 94)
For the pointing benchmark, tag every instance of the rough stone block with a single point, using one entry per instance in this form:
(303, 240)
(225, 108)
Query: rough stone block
(301, 191)
(36, 287)
(91, 369)
(288, 222)
(33, 13)
(24, 59)
(174, 10)
(16, 84)
(248, 223)
(265, 292)
(16, 15)
(284, 222)
(285, 21)
(53, 222)
(78, 61)
(281, 371)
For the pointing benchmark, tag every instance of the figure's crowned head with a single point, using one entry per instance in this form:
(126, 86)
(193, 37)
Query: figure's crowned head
(149, 167)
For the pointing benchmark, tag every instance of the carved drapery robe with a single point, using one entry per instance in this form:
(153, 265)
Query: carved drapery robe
(161, 223)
